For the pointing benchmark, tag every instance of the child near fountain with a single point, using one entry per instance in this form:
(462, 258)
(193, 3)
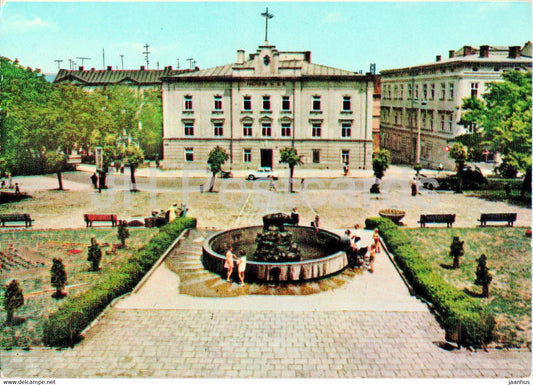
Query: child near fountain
(241, 266)
(229, 262)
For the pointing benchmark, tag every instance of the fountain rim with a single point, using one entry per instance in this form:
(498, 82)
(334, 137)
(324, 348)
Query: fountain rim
(207, 247)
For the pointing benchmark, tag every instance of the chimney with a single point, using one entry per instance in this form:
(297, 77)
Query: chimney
(468, 50)
(307, 56)
(484, 51)
(93, 69)
(514, 52)
(110, 68)
(170, 68)
(80, 68)
(439, 57)
(142, 68)
(240, 56)
(452, 53)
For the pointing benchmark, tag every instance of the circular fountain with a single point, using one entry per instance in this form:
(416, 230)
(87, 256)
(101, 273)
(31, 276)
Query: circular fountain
(277, 252)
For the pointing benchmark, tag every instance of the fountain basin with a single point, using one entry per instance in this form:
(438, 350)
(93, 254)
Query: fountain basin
(321, 254)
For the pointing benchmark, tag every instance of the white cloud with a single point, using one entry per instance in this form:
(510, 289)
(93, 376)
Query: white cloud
(14, 23)
(333, 18)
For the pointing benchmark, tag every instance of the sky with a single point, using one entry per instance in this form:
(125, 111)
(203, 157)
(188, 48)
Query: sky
(348, 34)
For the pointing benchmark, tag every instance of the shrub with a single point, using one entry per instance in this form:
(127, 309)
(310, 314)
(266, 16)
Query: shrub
(465, 319)
(63, 327)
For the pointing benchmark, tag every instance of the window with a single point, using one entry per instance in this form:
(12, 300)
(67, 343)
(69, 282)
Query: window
(285, 103)
(188, 103)
(345, 156)
(450, 121)
(409, 91)
(286, 130)
(346, 103)
(266, 103)
(432, 92)
(431, 124)
(395, 92)
(401, 91)
(317, 130)
(473, 89)
(247, 103)
(450, 91)
(442, 91)
(316, 156)
(189, 129)
(219, 129)
(316, 103)
(416, 91)
(266, 129)
(218, 103)
(247, 155)
(189, 154)
(425, 92)
(442, 121)
(247, 129)
(346, 130)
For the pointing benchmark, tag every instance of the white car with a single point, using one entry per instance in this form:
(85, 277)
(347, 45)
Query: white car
(262, 173)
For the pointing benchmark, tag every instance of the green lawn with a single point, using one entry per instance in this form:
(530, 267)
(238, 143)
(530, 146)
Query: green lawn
(508, 253)
(31, 267)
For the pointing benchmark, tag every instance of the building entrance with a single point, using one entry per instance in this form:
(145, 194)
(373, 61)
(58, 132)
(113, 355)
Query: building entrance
(266, 158)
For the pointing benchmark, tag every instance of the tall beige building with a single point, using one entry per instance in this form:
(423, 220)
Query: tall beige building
(260, 104)
(424, 101)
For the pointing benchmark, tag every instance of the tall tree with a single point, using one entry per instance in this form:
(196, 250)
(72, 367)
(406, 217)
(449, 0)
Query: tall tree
(217, 157)
(289, 156)
(133, 157)
(503, 117)
(13, 299)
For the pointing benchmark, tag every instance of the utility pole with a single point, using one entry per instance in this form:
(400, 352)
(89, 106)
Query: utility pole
(103, 59)
(146, 53)
(58, 61)
(82, 59)
(122, 61)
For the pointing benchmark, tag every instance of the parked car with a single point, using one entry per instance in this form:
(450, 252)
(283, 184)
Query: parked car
(262, 173)
(226, 174)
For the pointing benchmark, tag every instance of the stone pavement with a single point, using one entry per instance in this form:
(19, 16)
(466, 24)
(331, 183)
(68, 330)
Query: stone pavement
(158, 332)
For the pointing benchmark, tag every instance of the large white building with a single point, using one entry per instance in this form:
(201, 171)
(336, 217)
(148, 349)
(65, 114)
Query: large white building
(425, 100)
(260, 104)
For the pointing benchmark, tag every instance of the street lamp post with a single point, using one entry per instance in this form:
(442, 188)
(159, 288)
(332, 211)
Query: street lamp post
(418, 113)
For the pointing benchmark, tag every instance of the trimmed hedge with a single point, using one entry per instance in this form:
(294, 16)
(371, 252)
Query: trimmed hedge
(464, 318)
(63, 327)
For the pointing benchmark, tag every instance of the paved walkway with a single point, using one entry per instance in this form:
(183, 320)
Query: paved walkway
(369, 327)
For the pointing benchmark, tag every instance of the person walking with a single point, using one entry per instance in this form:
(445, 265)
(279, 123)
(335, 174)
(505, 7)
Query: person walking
(271, 185)
(375, 237)
(229, 262)
(413, 187)
(372, 258)
(302, 184)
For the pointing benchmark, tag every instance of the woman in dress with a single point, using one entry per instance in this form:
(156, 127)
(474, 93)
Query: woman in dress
(229, 262)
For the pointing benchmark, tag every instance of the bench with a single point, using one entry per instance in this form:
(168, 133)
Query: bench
(90, 218)
(449, 219)
(26, 218)
(510, 218)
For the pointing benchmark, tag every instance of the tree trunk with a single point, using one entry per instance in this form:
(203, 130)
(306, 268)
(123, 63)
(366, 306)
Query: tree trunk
(212, 185)
(133, 183)
(291, 179)
(60, 180)
(455, 261)
(101, 180)
(486, 291)
(9, 316)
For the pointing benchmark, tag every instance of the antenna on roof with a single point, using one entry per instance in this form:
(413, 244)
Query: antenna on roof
(191, 60)
(72, 63)
(146, 53)
(178, 63)
(58, 61)
(122, 60)
(157, 64)
(82, 59)
(267, 16)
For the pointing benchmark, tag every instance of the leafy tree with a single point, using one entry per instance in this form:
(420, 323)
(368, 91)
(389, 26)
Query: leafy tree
(95, 254)
(217, 157)
(483, 277)
(503, 118)
(456, 251)
(58, 277)
(458, 153)
(133, 156)
(380, 163)
(13, 299)
(289, 156)
(123, 233)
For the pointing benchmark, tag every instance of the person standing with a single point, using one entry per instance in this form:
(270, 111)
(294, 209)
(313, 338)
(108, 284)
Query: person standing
(172, 212)
(295, 217)
(372, 258)
(356, 234)
(271, 185)
(241, 267)
(94, 180)
(413, 187)
(375, 237)
(229, 262)
(302, 184)
(316, 224)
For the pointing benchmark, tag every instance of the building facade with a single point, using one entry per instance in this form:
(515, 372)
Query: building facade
(260, 104)
(421, 105)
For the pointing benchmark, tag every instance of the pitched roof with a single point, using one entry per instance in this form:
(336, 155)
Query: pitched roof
(109, 76)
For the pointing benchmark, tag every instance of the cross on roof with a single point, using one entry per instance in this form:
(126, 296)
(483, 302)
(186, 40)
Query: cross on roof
(267, 16)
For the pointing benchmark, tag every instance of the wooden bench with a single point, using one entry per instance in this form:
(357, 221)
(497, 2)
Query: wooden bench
(510, 218)
(16, 217)
(449, 219)
(90, 218)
